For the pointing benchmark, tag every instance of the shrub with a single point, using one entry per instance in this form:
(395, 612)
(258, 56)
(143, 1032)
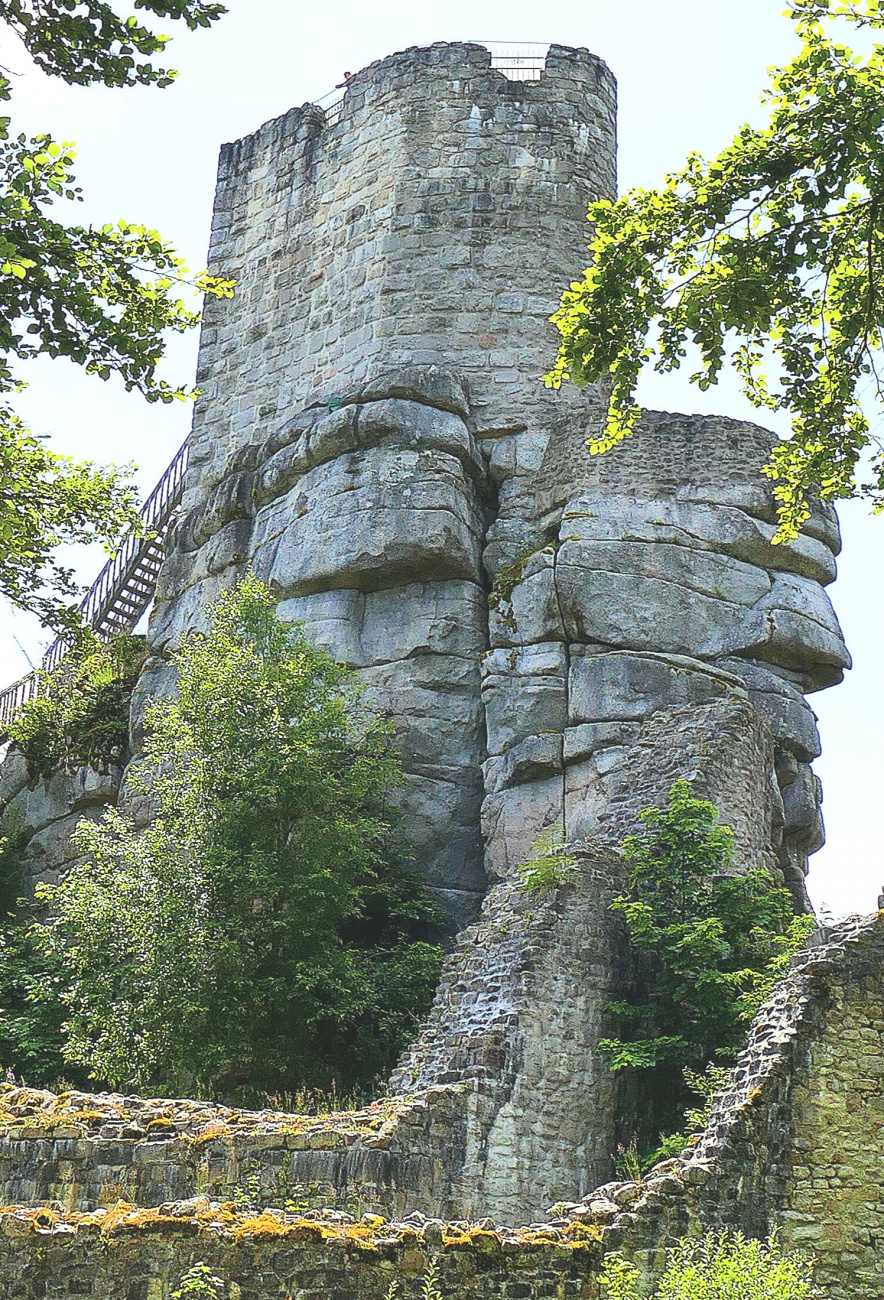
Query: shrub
(32, 1013)
(709, 945)
(199, 1283)
(718, 1266)
(258, 936)
(550, 867)
(82, 713)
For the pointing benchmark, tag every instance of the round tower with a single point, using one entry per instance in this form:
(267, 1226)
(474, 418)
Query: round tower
(433, 220)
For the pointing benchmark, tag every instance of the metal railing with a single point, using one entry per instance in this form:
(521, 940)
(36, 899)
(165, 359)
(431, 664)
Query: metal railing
(524, 62)
(122, 591)
(332, 105)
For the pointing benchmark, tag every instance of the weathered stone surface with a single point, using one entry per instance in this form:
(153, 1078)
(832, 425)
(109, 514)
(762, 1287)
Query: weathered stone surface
(696, 525)
(782, 705)
(628, 687)
(638, 595)
(524, 693)
(375, 627)
(367, 519)
(437, 388)
(43, 813)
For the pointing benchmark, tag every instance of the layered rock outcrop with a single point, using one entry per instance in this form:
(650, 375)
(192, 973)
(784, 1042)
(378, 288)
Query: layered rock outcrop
(374, 442)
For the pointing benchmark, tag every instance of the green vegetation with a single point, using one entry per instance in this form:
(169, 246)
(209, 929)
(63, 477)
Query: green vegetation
(82, 714)
(32, 1014)
(103, 297)
(199, 1283)
(718, 1266)
(550, 867)
(770, 255)
(31, 980)
(47, 500)
(259, 935)
(708, 946)
(88, 43)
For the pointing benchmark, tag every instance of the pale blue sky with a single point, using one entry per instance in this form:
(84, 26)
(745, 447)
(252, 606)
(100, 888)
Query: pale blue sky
(689, 71)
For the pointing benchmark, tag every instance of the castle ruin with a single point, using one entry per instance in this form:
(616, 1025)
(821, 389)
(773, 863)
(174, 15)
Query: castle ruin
(557, 637)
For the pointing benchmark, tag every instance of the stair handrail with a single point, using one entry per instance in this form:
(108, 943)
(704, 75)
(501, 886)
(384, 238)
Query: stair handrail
(98, 605)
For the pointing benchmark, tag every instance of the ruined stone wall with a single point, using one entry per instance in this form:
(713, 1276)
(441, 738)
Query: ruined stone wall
(143, 1255)
(793, 1144)
(794, 1141)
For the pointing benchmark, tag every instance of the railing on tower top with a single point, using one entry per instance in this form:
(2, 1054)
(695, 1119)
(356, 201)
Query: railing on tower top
(121, 592)
(521, 62)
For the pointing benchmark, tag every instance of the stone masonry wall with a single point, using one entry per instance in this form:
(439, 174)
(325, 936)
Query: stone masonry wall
(142, 1255)
(432, 224)
(794, 1142)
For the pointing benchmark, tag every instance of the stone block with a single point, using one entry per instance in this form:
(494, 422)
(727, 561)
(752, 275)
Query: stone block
(781, 704)
(695, 525)
(620, 687)
(368, 520)
(433, 701)
(524, 692)
(513, 819)
(660, 597)
(531, 611)
(804, 634)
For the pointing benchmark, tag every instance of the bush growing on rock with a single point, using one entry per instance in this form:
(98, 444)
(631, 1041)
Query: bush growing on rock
(258, 935)
(81, 715)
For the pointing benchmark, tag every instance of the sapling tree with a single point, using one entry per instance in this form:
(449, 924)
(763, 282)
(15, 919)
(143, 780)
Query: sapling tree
(258, 934)
(709, 942)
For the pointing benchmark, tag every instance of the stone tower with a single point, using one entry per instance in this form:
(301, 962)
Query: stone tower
(395, 271)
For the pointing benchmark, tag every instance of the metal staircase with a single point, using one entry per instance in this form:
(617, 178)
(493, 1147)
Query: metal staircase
(121, 592)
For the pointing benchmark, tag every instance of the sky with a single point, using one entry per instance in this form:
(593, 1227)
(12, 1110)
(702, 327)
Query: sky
(690, 72)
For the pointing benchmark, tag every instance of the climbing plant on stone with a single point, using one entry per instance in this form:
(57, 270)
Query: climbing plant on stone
(258, 935)
(103, 297)
(769, 256)
(709, 945)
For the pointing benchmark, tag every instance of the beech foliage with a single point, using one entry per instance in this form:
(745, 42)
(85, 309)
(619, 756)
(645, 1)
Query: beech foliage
(768, 257)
